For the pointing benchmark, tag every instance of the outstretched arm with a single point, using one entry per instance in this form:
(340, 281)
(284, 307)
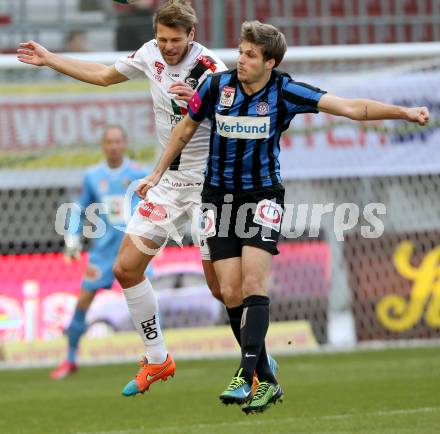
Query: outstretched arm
(369, 110)
(180, 136)
(95, 73)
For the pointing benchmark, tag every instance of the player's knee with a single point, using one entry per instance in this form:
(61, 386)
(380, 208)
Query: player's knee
(121, 272)
(231, 295)
(216, 293)
(126, 274)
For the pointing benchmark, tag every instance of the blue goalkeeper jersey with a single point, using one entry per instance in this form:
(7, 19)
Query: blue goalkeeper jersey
(107, 186)
(246, 129)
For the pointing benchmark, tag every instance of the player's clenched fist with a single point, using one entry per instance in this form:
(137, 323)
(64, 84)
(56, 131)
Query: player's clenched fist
(182, 91)
(419, 115)
(32, 53)
(146, 183)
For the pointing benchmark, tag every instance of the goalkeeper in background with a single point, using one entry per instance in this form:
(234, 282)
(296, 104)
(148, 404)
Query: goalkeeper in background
(105, 183)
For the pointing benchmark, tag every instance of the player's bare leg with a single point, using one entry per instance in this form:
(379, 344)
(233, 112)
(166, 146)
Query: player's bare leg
(211, 279)
(129, 269)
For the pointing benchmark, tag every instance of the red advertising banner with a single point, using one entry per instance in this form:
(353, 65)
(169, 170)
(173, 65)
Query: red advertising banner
(64, 120)
(39, 292)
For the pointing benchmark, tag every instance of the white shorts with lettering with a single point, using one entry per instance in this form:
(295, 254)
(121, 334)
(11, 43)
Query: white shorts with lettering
(169, 208)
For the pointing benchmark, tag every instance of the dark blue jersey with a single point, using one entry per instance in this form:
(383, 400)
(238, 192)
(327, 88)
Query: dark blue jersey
(246, 129)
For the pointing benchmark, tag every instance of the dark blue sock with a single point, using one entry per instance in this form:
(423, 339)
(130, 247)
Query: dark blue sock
(235, 314)
(254, 325)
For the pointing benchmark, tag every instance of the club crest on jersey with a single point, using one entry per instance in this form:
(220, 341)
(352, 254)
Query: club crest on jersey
(159, 67)
(227, 96)
(262, 108)
(191, 82)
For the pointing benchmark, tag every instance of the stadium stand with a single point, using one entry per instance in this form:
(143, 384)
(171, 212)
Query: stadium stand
(313, 22)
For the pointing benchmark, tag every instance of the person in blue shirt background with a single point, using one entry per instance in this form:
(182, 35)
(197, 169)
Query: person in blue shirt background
(104, 187)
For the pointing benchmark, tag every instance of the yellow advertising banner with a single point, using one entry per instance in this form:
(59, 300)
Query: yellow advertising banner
(397, 296)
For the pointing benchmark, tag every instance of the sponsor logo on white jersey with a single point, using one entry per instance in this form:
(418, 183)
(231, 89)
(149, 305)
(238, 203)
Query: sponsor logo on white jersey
(243, 127)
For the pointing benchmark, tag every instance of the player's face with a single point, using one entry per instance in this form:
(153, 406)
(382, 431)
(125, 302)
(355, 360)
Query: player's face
(114, 146)
(173, 43)
(251, 66)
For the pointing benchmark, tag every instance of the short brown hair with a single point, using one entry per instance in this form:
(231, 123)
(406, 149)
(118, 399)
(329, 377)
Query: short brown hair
(175, 13)
(272, 41)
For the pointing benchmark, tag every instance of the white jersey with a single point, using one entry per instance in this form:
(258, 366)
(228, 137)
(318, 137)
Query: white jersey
(194, 67)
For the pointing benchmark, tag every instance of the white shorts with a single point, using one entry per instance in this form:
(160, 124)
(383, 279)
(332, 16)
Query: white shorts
(168, 209)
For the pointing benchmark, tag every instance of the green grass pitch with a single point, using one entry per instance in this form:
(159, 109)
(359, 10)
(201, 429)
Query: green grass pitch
(387, 391)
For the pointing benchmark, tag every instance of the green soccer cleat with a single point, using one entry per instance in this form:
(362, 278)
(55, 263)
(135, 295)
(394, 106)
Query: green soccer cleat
(266, 394)
(238, 391)
(273, 365)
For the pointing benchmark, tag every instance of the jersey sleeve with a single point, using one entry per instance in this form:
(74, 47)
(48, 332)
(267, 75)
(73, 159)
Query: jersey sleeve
(134, 65)
(301, 97)
(199, 107)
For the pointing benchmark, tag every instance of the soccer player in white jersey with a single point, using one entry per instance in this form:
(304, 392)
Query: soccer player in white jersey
(175, 65)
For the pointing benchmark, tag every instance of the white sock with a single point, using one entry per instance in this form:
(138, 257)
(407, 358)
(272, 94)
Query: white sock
(143, 307)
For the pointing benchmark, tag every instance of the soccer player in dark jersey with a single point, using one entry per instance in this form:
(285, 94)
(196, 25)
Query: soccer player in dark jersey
(249, 108)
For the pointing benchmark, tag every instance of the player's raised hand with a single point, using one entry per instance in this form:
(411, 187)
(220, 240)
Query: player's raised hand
(145, 184)
(72, 248)
(419, 115)
(182, 91)
(32, 53)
